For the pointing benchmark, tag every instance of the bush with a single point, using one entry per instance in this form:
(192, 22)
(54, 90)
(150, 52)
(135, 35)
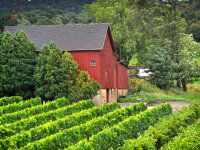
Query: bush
(135, 85)
(188, 139)
(59, 125)
(10, 100)
(30, 122)
(164, 130)
(129, 128)
(10, 108)
(77, 133)
(10, 118)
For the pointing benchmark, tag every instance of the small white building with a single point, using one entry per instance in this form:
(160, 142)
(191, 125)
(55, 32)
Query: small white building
(143, 73)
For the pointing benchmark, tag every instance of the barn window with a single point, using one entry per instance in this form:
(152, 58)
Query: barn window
(93, 63)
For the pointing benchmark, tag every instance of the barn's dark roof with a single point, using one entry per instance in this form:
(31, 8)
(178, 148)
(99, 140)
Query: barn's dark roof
(68, 37)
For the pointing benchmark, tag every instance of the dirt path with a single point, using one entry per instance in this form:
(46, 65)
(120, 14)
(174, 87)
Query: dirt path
(176, 105)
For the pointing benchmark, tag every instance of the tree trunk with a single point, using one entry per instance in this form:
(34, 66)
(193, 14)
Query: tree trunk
(178, 83)
(184, 85)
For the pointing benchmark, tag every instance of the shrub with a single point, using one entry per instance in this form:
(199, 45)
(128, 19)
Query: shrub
(77, 133)
(10, 100)
(129, 128)
(39, 132)
(30, 122)
(165, 130)
(10, 118)
(188, 139)
(19, 106)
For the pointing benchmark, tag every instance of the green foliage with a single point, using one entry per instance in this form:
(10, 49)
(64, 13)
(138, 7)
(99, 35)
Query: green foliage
(98, 124)
(161, 66)
(41, 85)
(11, 129)
(114, 13)
(188, 139)
(25, 61)
(18, 61)
(57, 126)
(12, 117)
(9, 6)
(86, 87)
(135, 85)
(23, 22)
(10, 100)
(188, 66)
(195, 30)
(151, 93)
(10, 108)
(165, 129)
(115, 136)
(57, 75)
(6, 61)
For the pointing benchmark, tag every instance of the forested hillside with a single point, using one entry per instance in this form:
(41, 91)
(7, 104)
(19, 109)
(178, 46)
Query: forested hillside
(14, 6)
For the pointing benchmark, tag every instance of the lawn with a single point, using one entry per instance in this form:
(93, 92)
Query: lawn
(150, 93)
(197, 83)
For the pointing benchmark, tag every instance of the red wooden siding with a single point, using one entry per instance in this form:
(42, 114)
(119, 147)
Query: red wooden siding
(108, 62)
(122, 77)
(83, 58)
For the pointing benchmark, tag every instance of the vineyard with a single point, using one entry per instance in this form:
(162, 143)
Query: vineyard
(29, 124)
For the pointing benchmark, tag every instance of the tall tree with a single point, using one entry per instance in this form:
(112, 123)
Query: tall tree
(160, 65)
(41, 85)
(57, 75)
(18, 61)
(6, 65)
(115, 13)
(187, 66)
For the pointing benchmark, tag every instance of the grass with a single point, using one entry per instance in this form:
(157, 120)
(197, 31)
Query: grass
(150, 93)
(133, 60)
(197, 83)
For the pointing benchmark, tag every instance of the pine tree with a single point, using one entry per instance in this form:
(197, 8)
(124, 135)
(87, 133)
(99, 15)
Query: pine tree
(25, 61)
(17, 62)
(57, 75)
(41, 85)
(160, 64)
(7, 67)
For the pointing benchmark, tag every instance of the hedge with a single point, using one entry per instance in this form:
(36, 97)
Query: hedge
(10, 100)
(10, 118)
(77, 133)
(33, 121)
(23, 138)
(115, 136)
(165, 130)
(10, 108)
(188, 139)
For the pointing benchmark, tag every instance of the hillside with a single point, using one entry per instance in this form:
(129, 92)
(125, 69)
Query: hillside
(15, 6)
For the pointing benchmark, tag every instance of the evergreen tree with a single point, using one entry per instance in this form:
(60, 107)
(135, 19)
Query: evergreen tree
(25, 59)
(160, 64)
(7, 67)
(18, 61)
(57, 75)
(41, 85)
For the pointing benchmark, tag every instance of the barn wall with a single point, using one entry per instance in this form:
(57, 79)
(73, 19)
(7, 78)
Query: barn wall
(122, 77)
(83, 58)
(108, 65)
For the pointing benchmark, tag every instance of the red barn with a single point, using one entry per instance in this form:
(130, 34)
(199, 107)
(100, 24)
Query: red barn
(92, 46)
